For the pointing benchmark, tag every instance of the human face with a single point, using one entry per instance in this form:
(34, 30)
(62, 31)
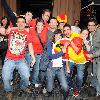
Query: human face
(91, 27)
(57, 37)
(61, 25)
(53, 24)
(4, 21)
(76, 23)
(0, 24)
(46, 16)
(84, 34)
(28, 17)
(39, 27)
(21, 23)
(67, 32)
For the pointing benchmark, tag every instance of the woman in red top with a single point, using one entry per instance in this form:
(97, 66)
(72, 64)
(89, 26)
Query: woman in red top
(38, 48)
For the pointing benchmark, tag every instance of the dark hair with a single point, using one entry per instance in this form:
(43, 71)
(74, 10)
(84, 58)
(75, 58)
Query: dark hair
(57, 31)
(53, 18)
(8, 22)
(84, 28)
(93, 20)
(39, 20)
(29, 12)
(46, 10)
(21, 17)
(67, 25)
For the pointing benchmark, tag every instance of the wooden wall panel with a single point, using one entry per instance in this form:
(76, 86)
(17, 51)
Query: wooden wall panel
(69, 7)
(12, 4)
(0, 9)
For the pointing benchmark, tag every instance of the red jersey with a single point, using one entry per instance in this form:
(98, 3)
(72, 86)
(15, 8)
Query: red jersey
(36, 43)
(32, 23)
(17, 43)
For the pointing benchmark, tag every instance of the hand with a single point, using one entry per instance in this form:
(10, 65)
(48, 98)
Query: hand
(66, 44)
(64, 49)
(33, 62)
(72, 43)
(86, 42)
(89, 55)
(8, 31)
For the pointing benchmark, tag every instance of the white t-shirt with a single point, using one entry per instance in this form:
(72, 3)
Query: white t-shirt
(56, 62)
(75, 29)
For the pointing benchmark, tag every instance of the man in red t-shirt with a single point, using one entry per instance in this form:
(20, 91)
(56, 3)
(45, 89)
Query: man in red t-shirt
(15, 58)
(30, 22)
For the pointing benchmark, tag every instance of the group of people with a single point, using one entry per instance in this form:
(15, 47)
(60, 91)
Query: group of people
(26, 44)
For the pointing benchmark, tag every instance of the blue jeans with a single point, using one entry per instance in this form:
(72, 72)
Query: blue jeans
(28, 59)
(80, 74)
(35, 77)
(96, 76)
(59, 72)
(7, 73)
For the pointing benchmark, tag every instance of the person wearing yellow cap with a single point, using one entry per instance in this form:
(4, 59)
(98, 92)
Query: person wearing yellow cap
(62, 19)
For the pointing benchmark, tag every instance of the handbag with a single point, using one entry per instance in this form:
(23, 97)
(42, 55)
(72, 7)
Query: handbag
(44, 58)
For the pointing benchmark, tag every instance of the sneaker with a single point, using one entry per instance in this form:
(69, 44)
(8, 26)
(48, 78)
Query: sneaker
(37, 85)
(75, 93)
(11, 83)
(44, 91)
(9, 96)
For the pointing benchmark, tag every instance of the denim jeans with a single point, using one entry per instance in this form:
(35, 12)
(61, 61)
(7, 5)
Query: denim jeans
(96, 76)
(80, 74)
(59, 72)
(7, 73)
(35, 77)
(28, 59)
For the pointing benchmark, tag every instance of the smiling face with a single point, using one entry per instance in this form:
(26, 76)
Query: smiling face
(21, 23)
(40, 27)
(67, 32)
(4, 21)
(57, 37)
(53, 24)
(61, 25)
(84, 34)
(46, 16)
(28, 17)
(91, 27)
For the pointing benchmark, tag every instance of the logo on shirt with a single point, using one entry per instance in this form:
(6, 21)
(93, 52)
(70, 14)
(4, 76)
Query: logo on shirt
(17, 43)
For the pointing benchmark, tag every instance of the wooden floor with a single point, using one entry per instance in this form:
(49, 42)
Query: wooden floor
(39, 95)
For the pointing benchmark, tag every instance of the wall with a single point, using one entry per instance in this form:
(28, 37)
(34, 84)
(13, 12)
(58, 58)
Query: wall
(12, 4)
(69, 7)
